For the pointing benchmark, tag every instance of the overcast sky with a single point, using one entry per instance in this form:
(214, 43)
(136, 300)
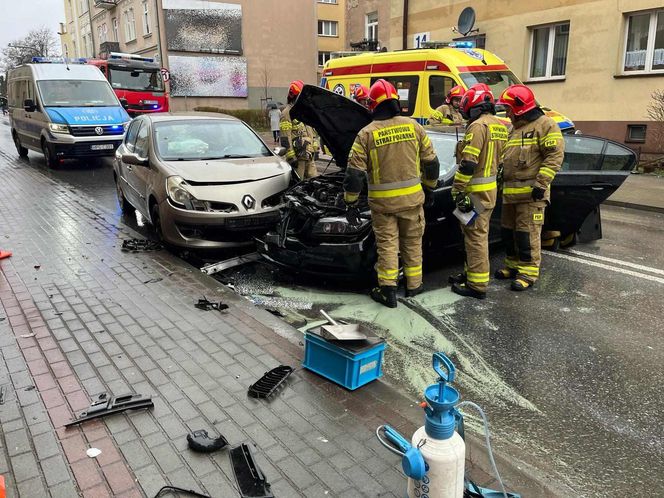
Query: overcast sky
(20, 16)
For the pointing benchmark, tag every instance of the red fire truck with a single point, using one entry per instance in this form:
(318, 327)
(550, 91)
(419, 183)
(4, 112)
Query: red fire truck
(138, 80)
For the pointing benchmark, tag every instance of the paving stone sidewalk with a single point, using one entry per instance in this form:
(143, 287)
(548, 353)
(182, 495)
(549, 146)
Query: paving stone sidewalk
(79, 317)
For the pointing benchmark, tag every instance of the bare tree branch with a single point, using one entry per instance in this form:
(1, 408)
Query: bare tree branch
(40, 42)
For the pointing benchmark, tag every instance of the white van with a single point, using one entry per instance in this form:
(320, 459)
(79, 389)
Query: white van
(64, 110)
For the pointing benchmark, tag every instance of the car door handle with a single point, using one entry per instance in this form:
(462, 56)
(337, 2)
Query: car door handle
(597, 188)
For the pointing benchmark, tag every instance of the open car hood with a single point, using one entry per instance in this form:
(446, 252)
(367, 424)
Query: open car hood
(336, 118)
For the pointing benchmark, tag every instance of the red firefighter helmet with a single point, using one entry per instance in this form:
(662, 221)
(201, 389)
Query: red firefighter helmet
(454, 93)
(361, 94)
(519, 98)
(381, 91)
(479, 93)
(295, 88)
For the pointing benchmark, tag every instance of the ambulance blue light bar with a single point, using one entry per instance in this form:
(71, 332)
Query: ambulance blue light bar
(57, 60)
(462, 44)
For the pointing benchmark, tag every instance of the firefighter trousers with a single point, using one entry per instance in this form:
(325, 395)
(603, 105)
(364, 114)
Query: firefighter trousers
(306, 168)
(521, 225)
(476, 246)
(399, 233)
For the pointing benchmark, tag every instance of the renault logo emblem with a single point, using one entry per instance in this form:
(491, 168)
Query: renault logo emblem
(248, 202)
(99, 130)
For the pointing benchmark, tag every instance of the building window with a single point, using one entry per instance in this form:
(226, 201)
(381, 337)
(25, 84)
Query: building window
(146, 19)
(548, 59)
(130, 25)
(327, 28)
(327, 1)
(644, 42)
(102, 33)
(323, 57)
(83, 7)
(636, 133)
(371, 26)
(116, 34)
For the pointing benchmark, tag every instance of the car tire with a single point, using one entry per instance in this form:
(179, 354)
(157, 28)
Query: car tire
(125, 206)
(49, 157)
(156, 221)
(22, 151)
(568, 241)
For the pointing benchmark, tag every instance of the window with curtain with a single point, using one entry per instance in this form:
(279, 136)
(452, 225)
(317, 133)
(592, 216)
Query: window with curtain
(549, 51)
(327, 28)
(644, 42)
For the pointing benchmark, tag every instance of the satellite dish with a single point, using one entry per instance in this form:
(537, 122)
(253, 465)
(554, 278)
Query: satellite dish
(466, 21)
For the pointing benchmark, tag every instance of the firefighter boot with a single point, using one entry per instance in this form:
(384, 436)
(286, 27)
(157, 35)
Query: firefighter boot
(521, 284)
(414, 292)
(464, 290)
(385, 295)
(505, 273)
(459, 278)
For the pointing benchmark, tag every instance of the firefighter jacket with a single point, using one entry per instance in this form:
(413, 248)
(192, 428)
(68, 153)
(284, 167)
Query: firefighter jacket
(446, 114)
(478, 156)
(532, 157)
(396, 157)
(296, 137)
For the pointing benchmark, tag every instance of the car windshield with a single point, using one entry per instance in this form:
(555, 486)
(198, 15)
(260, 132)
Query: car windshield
(76, 93)
(206, 139)
(444, 146)
(149, 80)
(497, 80)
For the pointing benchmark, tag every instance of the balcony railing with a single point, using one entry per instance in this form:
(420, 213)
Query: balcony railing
(106, 4)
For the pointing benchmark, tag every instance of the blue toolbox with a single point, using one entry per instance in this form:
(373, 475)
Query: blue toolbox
(350, 364)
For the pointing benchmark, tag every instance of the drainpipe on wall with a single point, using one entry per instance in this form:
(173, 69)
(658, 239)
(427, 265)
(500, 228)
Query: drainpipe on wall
(404, 29)
(156, 15)
(92, 29)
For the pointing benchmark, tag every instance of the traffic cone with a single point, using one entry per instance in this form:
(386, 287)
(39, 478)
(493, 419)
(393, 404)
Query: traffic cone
(5, 254)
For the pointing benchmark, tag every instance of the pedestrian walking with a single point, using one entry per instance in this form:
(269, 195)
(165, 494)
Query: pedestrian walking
(275, 116)
(297, 137)
(394, 155)
(475, 188)
(532, 157)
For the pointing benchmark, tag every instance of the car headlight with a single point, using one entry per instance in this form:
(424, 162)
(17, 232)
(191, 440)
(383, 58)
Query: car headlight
(176, 188)
(58, 128)
(337, 226)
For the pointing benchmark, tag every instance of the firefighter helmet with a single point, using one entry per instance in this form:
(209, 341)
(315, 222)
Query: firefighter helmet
(477, 94)
(361, 94)
(381, 91)
(295, 88)
(519, 98)
(456, 92)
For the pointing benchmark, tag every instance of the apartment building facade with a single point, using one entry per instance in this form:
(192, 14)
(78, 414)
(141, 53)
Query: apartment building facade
(368, 20)
(222, 54)
(330, 29)
(596, 61)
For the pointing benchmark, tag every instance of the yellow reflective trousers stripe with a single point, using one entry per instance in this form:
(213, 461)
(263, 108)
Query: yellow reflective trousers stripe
(412, 271)
(477, 278)
(379, 194)
(531, 271)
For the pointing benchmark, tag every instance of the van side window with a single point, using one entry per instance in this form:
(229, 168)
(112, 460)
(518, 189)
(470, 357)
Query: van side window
(439, 87)
(130, 139)
(407, 88)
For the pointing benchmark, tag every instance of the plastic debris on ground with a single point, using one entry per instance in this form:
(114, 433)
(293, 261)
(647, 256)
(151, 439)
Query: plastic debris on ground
(201, 442)
(270, 382)
(251, 481)
(141, 245)
(207, 305)
(93, 452)
(104, 405)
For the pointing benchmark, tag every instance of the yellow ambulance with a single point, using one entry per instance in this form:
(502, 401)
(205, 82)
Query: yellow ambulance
(423, 77)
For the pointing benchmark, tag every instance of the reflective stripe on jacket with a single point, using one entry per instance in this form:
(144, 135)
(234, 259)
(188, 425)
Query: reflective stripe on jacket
(532, 157)
(478, 157)
(395, 156)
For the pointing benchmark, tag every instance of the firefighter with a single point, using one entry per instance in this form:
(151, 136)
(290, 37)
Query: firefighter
(395, 156)
(297, 138)
(474, 187)
(361, 95)
(448, 113)
(532, 157)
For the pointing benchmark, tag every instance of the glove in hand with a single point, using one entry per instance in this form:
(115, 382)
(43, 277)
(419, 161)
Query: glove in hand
(353, 216)
(428, 198)
(538, 193)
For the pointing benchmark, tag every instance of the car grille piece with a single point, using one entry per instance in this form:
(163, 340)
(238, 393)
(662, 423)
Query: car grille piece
(91, 131)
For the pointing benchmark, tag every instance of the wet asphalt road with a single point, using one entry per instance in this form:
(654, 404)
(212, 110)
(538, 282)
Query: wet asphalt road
(570, 375)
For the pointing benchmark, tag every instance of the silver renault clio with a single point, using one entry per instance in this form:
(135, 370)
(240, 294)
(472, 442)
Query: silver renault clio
(204, 181)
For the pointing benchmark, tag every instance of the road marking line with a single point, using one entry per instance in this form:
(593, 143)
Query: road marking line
(607, 267)
(648, 269)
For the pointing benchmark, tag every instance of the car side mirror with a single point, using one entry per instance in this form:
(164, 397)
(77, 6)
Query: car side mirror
(124, 103)
(29, 105)
(280, 151)
(134, 160)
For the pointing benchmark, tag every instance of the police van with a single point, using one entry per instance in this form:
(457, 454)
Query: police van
(64, 109)
(423, 77)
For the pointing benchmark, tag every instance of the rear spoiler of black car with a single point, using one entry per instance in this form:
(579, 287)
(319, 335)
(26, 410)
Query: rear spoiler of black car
(336, 118)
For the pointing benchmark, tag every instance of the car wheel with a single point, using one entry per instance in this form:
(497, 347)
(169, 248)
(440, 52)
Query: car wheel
(22, 151)
(568, 241)
(156, 221)
(49, 157)
(125, 206)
